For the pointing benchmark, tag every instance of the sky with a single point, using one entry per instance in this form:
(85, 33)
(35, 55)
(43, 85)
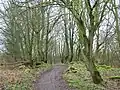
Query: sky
(1, 2)
(1, 37)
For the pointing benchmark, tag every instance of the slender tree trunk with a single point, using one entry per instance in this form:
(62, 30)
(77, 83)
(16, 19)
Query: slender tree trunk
(117, 24)
(43, 33)
(66, 38)
(92, 68)
(47, 34)
(71, 33)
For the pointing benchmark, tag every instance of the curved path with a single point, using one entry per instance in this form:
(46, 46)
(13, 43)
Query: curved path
(52, 79)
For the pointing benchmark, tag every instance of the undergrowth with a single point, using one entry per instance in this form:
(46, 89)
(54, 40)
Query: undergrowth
(20, 78)
(79, 77)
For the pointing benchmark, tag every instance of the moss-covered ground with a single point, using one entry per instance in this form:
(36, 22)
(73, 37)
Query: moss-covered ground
(79, 77)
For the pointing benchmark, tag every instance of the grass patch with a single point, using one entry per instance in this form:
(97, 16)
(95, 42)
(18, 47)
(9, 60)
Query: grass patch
(78, 77)
(20, 78)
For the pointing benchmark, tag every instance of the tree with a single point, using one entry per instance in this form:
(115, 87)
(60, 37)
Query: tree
(92, 27)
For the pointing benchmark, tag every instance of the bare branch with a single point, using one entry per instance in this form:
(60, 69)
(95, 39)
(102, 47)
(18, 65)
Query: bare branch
(96, 2)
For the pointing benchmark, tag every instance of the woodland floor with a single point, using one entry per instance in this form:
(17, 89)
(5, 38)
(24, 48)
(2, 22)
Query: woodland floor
(52, 79)
(58, 77)
(113, 85)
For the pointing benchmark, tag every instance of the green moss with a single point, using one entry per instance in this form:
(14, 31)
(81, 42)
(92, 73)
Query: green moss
(103, 67)
(114, 77)
(81, 79)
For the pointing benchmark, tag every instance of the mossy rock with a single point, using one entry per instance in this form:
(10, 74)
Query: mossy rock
(72, 69)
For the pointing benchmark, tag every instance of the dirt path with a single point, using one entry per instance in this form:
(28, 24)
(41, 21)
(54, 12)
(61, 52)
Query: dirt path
(52, 79)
